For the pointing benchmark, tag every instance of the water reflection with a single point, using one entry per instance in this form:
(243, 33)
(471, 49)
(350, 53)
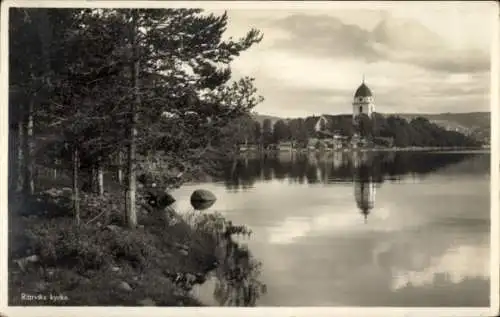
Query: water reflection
(365, 170)
(235, 281)
(425, 241)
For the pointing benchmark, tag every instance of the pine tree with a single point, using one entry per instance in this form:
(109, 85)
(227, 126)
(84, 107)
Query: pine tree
(117, 72)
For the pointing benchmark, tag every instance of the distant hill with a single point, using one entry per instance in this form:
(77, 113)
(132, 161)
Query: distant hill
(261, 117)
(476, 124)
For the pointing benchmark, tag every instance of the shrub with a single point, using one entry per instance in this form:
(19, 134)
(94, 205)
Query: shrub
(161, 259)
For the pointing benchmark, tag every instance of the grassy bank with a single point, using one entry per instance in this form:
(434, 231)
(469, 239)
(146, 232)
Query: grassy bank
(102, 263)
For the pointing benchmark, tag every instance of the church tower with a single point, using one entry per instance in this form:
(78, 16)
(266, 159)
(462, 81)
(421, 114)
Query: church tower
(363, 102)
(364, 183)
(364, 192)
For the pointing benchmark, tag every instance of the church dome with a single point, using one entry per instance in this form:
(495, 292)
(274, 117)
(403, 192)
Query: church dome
(363, 91)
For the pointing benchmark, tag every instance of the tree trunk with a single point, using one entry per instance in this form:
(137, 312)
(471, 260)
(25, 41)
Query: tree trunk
(120, 167)
(76, 195)
(29, 183)
(233, 166)
(131, 212)
(93, 179)
(20, 156)
(100, 180)
(54, 170)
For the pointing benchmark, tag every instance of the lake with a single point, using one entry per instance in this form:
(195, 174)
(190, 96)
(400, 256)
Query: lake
(363, 228)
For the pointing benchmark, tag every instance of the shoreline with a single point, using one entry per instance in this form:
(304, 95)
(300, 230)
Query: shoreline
(351, 150)
(38, 263)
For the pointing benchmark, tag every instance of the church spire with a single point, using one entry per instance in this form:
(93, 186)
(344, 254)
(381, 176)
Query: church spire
(363, 78)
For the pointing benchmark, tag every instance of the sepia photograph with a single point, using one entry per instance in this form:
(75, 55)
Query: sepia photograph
(250, 154)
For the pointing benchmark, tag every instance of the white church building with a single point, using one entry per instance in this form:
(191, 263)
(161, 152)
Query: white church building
(363, 102)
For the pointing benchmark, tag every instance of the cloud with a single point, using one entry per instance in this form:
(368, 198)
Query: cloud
(311, 62)
(297, 85)
(457, 264)
(406, 255)
(393, 39)
(326, 36)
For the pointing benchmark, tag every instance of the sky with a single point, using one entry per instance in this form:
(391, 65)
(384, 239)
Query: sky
(426, 58)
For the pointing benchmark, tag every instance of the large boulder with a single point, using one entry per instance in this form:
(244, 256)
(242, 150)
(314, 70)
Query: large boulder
(157, 198)
(202, 205)
(202, 199)
(202, 195)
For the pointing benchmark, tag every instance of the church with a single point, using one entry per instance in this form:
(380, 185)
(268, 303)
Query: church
(363, 102)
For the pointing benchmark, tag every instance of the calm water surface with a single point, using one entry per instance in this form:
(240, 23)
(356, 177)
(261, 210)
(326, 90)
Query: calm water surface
(366, 229)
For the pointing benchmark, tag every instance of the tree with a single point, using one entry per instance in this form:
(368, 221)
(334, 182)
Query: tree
(267, 132)
(420, 132)
(280, 131)
(176, 39)
(345, 127)
(379, 124)
(257, 129)
(122, 70)
(30, 38)
(239, 130)
(365, 127)
(38, 38)
(302, 135)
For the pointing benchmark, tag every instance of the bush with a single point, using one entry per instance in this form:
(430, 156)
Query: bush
(161, 259)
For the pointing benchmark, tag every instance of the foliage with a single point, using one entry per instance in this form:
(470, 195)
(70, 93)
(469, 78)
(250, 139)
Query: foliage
(298, 131)
(172, 254)
(281, 131)
(101, 80)
(420, 132)
(83, 61)
(364, 125)
(403, 133)
(238, 275)
(267, 132)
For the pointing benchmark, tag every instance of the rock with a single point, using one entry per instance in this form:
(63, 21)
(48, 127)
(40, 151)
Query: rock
(84, 281)
(202, 205)
(184, 252)
(40, 287)
(181, 246)
(113, 228)
(124, 286)
(200, 278)
(202, 195)
(50, 272)
(202, 199)
(115, 268)
(158, 198)
(147, 302)
(33, 258)
(67, 191)
(23, 262)
(190, 278)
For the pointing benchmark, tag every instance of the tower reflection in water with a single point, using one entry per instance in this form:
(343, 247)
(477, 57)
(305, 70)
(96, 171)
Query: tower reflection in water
(365, 182)
(366, 170)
